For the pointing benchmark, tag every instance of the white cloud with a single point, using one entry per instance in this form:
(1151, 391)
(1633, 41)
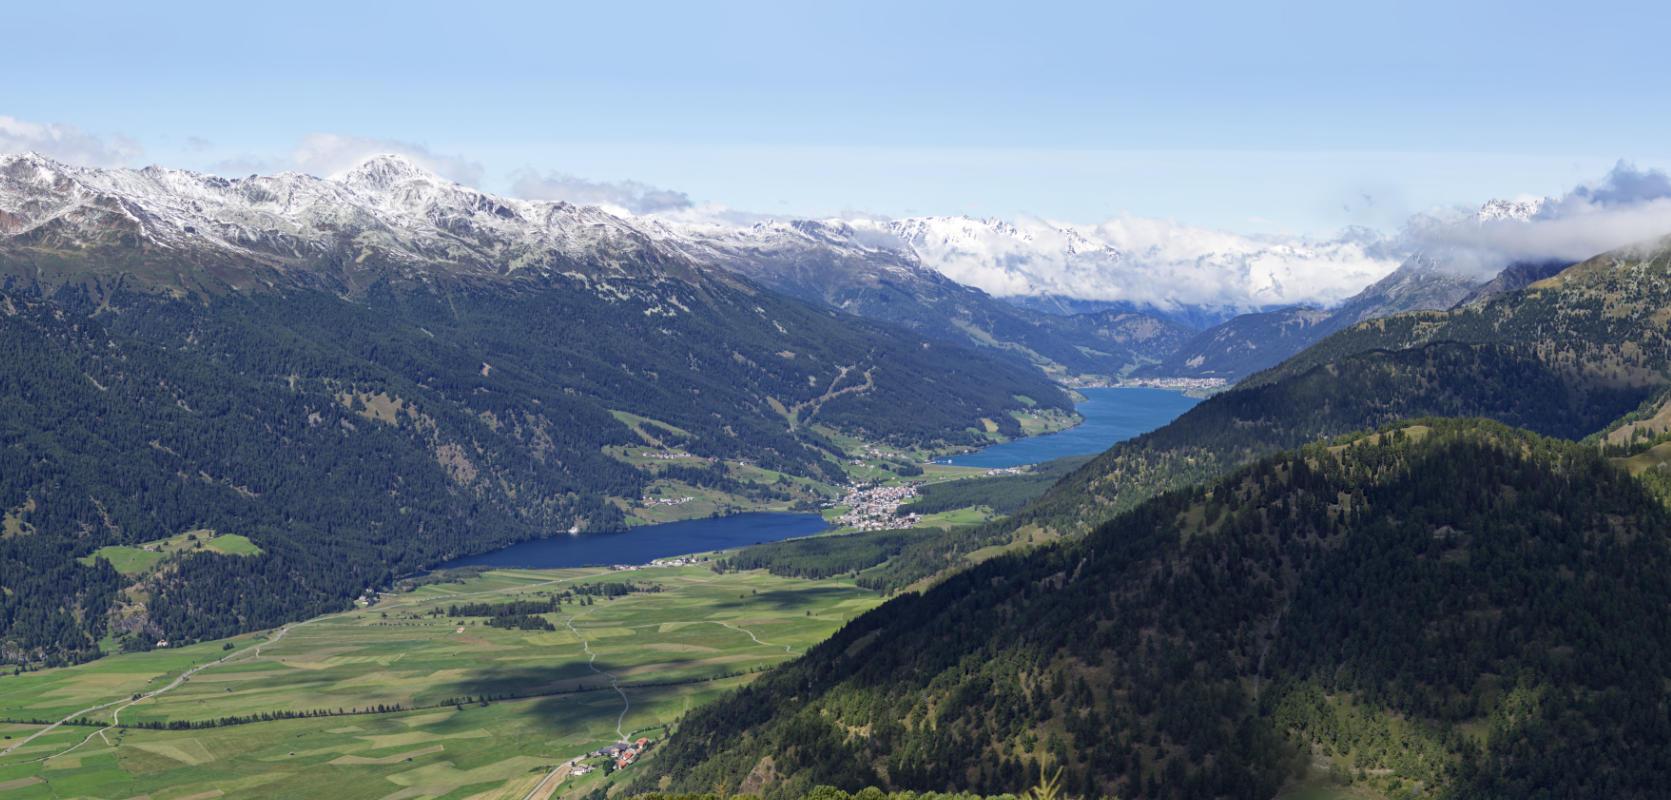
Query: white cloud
(631, 197)
(66, 143)
(1625, 207)
(1159, 263)
(1146, 261)
(1191, 265)
(329, 154)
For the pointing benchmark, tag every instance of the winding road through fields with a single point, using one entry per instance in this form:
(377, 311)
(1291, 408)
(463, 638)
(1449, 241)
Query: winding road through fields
(254, 649)
(545, 784)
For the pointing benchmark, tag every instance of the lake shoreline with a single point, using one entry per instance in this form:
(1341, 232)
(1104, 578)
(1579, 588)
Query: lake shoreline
(1111, 414)
(645, 543)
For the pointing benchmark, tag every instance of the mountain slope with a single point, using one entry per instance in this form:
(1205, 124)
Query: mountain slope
(1562, 357)
(873, 274)
(1514, 277)
(1195, 317)
(1451, 609)
(1243, 344)
(1605, 315)
(1253, 342)
(368, 376)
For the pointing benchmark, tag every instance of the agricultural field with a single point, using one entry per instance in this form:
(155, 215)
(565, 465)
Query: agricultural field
(403, 699)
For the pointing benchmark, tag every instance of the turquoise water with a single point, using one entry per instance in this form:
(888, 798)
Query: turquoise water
(1111, 416)
(641, 545)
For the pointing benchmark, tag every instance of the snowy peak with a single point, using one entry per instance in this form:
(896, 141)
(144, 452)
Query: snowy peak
(387, 214)
(399, 186)
(32, 168)
(382, 172)
(992, 237)
(1496, 210)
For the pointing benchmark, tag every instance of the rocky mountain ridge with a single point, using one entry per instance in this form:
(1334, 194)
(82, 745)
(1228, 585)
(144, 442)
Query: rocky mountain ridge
(385, 215)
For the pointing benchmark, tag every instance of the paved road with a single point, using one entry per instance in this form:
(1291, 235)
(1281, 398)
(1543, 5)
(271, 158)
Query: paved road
(614, 682)
(561, 770)
(115, 715)
(786, 648)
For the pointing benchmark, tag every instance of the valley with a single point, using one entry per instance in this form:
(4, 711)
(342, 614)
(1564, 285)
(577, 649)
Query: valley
(405, 696)
(273, 450)
(443, 374)
(721, 487)
(835, 401)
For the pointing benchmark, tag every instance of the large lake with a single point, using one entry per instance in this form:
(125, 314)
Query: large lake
(642, 545)
(1111, 416)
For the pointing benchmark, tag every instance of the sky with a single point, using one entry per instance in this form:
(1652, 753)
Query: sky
(1255, 118)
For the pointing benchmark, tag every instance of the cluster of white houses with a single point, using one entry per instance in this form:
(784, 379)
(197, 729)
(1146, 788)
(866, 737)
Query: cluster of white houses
(623, 753)
(873, 508)
(667, 501)
(679, 561)
(669, 455)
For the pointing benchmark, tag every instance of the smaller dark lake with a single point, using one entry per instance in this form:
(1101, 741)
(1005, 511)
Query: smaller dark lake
(648, 543)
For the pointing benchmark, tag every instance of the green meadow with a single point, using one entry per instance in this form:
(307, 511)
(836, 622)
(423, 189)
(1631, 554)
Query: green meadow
(403, 700)
(142, 558)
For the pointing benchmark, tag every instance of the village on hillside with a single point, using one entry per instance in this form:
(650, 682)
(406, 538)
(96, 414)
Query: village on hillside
(873, 508)
(620, 756)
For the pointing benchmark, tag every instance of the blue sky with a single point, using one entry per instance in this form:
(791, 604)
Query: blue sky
(1252, 117)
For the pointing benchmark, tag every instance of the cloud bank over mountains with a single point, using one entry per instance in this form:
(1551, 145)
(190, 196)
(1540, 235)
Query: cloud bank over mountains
(630, 197)
(66, 143)
(1625, 207)
(1158, 263)
(331, 155)
(1166, 264)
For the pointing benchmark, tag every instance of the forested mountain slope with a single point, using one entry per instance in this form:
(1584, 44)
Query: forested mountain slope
(1607, 316)
(1563, 357)
(1447, 609)
(370, 376)
(1249, 343)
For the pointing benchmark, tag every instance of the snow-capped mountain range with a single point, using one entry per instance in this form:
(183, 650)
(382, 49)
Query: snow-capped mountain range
(388, 213)
(388, 218)
(1132, 262)
(384, 213)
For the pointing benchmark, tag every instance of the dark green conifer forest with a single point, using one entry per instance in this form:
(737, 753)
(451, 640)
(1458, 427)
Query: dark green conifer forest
(1451, 609)
(355, 440)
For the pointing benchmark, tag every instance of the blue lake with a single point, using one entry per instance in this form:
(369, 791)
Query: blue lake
(1111, 416)
(641, 545)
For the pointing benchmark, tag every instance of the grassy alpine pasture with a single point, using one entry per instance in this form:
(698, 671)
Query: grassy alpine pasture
(140, 559)
(482, 711)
